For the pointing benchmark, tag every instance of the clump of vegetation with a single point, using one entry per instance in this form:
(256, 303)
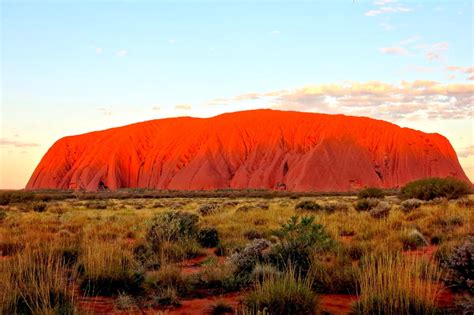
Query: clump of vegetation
(264, 271)
(251, 255)
(465, 203)
(412, 239)
(208, 237)
(333, 272)
(395, 285)
(431, 188)
(366, 204)
(171, 226)
(335, 206)
(97, 204)
(371, 192)
(308, 205)
(39, 206)
(289, 293)
(298, 238)
(3, 215)
(461, 266)
(381, 210)
(35, 282)
(166, 297)
(410, 205)
(208, 209)
(252, 234)
(220, 307)
(125, 302)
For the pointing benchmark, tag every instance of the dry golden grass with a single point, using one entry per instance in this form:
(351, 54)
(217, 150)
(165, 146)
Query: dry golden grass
(105, 240)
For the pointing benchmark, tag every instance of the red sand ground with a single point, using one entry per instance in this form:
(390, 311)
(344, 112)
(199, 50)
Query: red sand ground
(250, 149)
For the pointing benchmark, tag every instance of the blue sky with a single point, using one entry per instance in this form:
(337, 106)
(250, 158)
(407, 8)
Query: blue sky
(71, 67)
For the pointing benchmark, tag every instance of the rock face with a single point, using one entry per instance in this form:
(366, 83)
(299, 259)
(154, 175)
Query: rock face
(251, 149)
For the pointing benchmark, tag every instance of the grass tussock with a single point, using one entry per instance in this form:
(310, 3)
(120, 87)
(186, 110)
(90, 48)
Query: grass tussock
(398, 285)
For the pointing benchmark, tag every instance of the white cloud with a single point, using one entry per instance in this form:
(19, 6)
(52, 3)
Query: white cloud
(394, 50)
(387, 27)
(406, 100)
(172, 41)
(99, 50)
(183, 106)
(121, 53)
(466, 152)
(275, 33)
(387, 10)
(105, 111)
(15, 143)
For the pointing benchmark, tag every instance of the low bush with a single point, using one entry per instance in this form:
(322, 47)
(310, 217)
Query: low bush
(39, 206)
(366, 204)
(461, 266)
(431, 188)
(264, 271)
(371, 192)
(252, 234)
(333, 273)
(171, 226)
(125, 302)
(3, 215)
(252, 254)
(208, 208)
(465, 203)
(298, 238)
(286, 294)
(381, 210)
(220, 308)
(308, 205)
(208, 237)
(410, 205)
(412, 239)
(166, 297)
(335, 206)
(98, 204)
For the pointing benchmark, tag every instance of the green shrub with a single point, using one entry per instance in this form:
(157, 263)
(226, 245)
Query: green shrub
(371, 192)
(171, 226)
(208, 237)
(308, 205)
(410, 205)
(298, 239)
(366, 204)
(431, 188)
(281, 295)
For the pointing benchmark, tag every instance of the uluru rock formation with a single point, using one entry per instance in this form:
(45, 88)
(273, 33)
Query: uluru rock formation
(251, 149)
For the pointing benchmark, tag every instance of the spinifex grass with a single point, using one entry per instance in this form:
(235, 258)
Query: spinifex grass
(394, 284)
(289, 293)
(36, 281)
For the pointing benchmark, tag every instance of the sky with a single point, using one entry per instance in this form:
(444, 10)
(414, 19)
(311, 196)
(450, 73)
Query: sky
(70, 67)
